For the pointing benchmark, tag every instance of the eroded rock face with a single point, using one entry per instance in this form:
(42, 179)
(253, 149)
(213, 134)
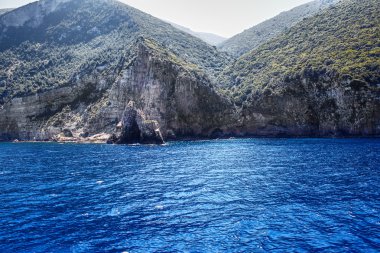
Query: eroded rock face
(180, 99)
(168, 96)
(135, 128)
(327, 106)
(175, 101)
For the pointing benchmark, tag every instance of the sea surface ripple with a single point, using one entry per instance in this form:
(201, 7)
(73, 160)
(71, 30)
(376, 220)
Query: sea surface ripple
(252, 195)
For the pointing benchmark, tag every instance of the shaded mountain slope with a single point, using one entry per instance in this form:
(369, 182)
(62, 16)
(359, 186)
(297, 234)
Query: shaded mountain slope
(2, 11)
(210, 38)
(322, 77)
(267, 30)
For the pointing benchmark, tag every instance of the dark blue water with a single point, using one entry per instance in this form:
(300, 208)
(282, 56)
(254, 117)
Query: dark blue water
(254, 195)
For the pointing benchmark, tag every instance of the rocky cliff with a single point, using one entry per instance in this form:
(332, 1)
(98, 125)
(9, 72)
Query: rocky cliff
(174, 98)
(320, 78)
(325, 106)
(100, 71)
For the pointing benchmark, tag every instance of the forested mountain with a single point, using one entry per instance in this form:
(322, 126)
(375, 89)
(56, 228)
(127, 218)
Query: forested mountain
(75, 65)
(47, 43)
(267, 30)
(99, 70)
(2, 11)
(322, 75)
(210, 38)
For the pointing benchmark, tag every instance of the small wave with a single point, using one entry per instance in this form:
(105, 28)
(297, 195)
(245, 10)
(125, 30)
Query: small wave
(114, 212)
(81, 247)
(159, 207)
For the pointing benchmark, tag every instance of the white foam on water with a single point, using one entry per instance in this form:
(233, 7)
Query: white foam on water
(159, 207)
(114, 212)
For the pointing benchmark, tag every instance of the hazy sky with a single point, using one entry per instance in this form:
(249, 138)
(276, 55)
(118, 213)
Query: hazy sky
(223, 17)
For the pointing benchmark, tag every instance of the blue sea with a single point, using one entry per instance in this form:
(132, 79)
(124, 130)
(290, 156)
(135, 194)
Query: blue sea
(251, 195)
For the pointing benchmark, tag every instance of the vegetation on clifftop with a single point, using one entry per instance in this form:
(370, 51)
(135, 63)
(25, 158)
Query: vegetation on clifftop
(342, 40)
(260, 34)
(83, 36)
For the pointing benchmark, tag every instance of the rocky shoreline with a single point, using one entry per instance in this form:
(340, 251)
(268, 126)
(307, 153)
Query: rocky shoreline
(104, 139)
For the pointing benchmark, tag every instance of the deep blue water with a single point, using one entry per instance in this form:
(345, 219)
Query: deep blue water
(254, 195)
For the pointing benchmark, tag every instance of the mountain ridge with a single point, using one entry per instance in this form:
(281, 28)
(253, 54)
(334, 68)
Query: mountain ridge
(66, 41)
(210, 38)
(259, 34)
(102, 71)
(3, 11)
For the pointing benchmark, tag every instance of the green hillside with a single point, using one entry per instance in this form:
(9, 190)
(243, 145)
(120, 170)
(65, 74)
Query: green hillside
(340, 41)
(45, 45)
(260, 34)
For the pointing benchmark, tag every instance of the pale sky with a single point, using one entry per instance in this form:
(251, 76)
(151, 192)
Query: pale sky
(222, 17)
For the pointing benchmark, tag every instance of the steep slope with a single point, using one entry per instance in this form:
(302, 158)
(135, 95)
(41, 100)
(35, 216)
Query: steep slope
(101, 71)
(263, 32)
(2, 11)
(322, 77)
(68, 69)
(210, 38)
(166, 90)
(48, 43)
